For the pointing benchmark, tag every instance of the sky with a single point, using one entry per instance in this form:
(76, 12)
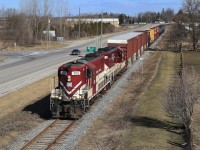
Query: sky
(128, 7)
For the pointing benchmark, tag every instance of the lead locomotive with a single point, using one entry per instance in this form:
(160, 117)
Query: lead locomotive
(81, 80)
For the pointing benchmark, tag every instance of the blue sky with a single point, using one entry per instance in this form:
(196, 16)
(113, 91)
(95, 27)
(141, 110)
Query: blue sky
(129, 7)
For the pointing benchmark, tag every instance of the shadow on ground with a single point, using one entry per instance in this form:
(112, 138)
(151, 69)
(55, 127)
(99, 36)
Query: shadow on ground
(155, 123)
(40, 107)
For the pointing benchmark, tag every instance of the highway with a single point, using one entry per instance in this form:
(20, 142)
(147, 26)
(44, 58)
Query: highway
(24, 69)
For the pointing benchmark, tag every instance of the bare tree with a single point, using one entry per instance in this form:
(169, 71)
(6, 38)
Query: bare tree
(168, 15)
(179, 101)
(192, 8)
(37, 14)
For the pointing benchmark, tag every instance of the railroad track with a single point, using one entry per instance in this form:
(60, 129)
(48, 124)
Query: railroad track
(50, 137)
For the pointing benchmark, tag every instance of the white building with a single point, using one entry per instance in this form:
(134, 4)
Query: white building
(113, 21)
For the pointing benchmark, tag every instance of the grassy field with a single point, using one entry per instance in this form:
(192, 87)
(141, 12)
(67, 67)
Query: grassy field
(149, 121)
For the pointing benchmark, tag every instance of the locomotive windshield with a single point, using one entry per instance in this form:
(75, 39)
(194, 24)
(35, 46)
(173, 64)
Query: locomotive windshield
(63, 72)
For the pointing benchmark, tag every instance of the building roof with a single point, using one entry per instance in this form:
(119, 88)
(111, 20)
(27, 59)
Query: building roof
(123, 39)
(94, 19)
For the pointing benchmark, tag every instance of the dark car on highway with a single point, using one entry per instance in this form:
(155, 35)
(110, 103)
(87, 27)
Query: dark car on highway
(75, 52)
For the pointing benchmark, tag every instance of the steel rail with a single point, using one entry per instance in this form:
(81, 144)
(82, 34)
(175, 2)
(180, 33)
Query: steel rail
(40, 135)
(60, 136)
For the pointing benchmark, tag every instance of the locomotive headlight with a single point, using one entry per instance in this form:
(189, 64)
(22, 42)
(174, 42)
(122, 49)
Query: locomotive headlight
(74, 97)
(68, 78)
(60, 98)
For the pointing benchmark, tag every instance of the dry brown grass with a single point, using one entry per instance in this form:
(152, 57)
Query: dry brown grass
(2, 59)
(25, 96)
(166, 43)
(54, 44)
(21, 110)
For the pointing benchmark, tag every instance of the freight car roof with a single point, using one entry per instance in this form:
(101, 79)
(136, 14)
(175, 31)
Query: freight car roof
(123, 39)
(148, 27)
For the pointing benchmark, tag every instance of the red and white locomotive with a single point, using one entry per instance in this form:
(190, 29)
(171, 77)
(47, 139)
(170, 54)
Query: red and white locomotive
(81, 80)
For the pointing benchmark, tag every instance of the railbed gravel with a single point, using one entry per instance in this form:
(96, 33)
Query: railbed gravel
(70, 140)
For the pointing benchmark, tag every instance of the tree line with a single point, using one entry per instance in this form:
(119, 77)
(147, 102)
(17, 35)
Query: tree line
(31, 24)
(27, 25)
(148, 17)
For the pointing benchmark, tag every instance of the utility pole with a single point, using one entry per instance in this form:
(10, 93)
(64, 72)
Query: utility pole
(97, 27)
(79, 25)
(47, 32)
(49, 38)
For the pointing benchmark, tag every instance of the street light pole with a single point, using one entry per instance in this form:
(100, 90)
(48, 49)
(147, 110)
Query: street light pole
(48, 32)
(101, 27)
(49, 38)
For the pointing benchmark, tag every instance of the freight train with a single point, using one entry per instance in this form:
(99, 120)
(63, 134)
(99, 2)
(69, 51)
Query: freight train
(80, 81)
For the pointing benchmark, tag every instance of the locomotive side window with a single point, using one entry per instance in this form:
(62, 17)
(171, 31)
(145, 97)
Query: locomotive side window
(88, 73)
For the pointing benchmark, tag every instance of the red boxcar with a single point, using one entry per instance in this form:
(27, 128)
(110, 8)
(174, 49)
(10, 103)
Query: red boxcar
(133, 44)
